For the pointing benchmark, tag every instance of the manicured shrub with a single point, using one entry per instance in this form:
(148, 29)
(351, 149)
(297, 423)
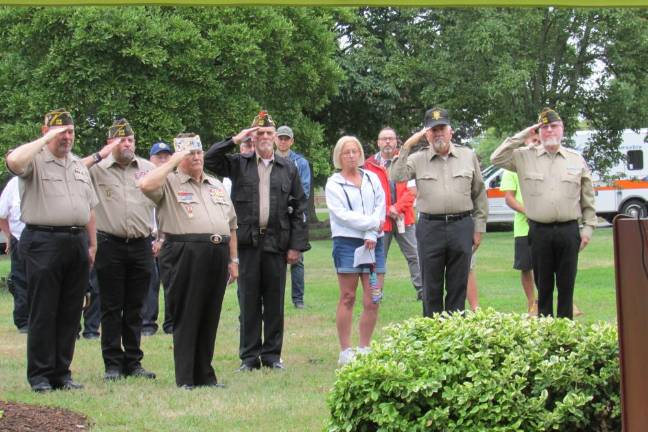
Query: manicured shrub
(487, 371)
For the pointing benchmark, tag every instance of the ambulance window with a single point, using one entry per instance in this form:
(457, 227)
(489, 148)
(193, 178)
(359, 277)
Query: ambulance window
(635, 159)
(495, 183)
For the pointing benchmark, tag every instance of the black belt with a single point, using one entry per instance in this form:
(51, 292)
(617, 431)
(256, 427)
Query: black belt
(445, 217)
(122, 239)
(63, 229)
(198, 238)
(553, 224)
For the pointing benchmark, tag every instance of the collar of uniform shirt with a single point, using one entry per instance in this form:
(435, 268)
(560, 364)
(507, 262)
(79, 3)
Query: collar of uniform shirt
(48, 156)
(433, 153)
(184, 178)
(109, 161)
(541, 150)
(266, 162)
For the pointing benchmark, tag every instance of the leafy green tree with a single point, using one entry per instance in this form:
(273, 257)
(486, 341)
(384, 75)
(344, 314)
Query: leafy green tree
(493, 68)
(167, 70)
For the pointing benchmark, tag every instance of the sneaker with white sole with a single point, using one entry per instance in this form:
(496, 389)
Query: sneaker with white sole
(346, 356)
(363, 350)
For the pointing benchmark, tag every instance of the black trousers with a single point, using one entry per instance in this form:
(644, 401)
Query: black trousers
(92, 314)
(262, 281)
(17, 283)
(152, 300)
(196, 276)
(554, 251)
(57, 268)
(123, 271)
(445, 249)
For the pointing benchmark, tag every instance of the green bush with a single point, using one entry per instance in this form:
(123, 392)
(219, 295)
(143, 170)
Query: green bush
(487, 371)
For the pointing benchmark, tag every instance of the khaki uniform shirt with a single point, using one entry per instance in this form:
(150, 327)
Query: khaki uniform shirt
(188, 207)
(445, 186)
(123, 210)
(555, 187)
(264, 191)
(56, 192)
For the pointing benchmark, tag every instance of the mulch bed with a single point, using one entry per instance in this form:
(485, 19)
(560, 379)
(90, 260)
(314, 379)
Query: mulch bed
(18, 417)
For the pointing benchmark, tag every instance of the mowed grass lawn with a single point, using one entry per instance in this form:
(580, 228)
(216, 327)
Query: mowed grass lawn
(292, 400)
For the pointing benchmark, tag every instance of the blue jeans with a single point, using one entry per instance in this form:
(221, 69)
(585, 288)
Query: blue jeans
(297, 280)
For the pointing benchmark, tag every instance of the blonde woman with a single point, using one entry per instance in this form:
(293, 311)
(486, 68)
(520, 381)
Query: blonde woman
(356, 204)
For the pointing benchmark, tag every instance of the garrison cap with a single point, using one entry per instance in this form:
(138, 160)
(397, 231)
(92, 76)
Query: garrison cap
(160, 147)
(58, 117)
(285, 131)
(263, 119)
(187, 141)
(120, 128)
(436, 116)
(548, 116)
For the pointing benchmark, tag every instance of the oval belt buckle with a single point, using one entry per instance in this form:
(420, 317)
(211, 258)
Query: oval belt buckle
(216, 238)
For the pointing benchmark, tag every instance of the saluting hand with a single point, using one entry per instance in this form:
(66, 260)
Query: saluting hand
(108, 148)
(56, 130)
(179, 156)
(239, 137)
(531, 130)
(415, 138)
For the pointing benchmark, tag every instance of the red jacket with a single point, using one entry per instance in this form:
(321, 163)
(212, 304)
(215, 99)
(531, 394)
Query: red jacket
(404, 197)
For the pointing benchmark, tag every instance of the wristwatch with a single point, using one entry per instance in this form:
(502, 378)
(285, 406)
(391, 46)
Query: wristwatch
(234, 260)
(97, 157)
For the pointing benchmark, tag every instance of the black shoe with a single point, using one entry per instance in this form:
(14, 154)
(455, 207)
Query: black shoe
(247, 367)
(140, 372)
(90, 336)
(113, 374)
(275, 365)
(186, 387)
(69, 385)
(23, 330)
(42, 387)
(299, 305)
(168, 330)
(148, 331)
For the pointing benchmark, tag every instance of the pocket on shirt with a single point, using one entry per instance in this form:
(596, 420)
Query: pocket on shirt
(53, 185)
(108, 191)
(533, 183)
(570, 185)
(462, 181)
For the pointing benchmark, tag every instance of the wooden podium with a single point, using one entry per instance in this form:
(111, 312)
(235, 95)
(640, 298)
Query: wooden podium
(630, 248)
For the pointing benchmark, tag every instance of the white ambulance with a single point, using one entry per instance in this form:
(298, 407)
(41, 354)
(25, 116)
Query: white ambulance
(628, 194)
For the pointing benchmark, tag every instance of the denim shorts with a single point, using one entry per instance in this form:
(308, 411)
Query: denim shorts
(343, 249)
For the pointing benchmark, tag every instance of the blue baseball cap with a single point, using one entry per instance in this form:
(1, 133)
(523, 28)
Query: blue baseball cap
(160, 147)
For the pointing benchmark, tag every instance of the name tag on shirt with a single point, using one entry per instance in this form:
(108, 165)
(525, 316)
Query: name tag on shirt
(217, 195)
(185, 197)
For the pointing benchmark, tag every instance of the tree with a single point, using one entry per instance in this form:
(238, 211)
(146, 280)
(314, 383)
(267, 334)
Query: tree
(167, 70)
(493, 68)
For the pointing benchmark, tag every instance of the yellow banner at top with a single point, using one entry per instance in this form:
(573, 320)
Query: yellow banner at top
(414, 3)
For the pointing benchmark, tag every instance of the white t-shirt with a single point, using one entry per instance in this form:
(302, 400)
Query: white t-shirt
(10, 207)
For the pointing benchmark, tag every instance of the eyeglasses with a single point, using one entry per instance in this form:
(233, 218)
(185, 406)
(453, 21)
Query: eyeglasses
(387, 139)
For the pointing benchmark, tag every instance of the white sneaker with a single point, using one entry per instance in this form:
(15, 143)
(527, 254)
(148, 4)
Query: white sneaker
(346, 356)
(363, 350)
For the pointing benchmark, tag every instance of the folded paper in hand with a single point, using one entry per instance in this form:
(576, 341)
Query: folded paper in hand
(362, 255)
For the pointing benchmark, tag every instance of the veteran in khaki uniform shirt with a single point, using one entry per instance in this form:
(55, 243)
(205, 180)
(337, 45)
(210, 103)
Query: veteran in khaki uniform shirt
(124, 255)
(198, 257)
(557, 190)
(58, 245)
(451, 199)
